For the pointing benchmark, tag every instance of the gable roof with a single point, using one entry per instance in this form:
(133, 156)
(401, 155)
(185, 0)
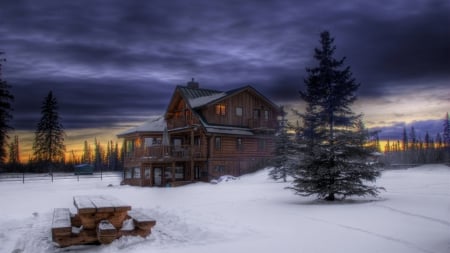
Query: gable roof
(196, 97)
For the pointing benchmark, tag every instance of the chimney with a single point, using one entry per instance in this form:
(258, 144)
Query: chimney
(192, 84)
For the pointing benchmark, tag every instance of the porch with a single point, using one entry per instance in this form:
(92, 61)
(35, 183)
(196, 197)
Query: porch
(165, 173)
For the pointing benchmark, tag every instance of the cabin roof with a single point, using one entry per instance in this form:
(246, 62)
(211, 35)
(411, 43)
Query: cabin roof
(154, 124)
(197, 97)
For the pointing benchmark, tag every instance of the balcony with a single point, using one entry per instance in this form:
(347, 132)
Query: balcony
(166, 153)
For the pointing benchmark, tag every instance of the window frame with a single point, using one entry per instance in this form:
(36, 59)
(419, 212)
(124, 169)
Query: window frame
(239, 111)
(220, 109)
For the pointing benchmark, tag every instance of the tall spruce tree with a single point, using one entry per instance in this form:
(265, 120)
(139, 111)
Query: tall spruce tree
(335, 162)
(48, 143)
(6, 99)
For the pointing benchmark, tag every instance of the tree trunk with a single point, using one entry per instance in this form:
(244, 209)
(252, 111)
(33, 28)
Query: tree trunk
(330, 197)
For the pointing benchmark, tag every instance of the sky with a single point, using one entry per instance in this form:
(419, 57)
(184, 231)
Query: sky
(112, 64)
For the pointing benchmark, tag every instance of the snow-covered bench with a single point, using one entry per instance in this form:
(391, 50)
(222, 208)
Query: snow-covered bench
(142, 221)
(61, 225)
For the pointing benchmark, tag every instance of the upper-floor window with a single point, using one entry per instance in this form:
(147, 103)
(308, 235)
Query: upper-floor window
(239, 111)
(256, 113)
(197, 140)
(187, 115)
(266, 115)
(130, 146)
(220, 109)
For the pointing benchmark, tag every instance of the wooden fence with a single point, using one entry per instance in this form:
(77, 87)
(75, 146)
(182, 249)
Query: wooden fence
(50, 177)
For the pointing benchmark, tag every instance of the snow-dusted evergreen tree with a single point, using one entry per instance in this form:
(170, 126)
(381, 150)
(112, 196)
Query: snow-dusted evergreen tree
(6, 99)
(285, 152)
(446, 135)
(335, 162)
(48, 143)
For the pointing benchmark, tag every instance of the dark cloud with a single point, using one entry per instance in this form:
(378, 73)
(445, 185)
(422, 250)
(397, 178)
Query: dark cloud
(113, 62)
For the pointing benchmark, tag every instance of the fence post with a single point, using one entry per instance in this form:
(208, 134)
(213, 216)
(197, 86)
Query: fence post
(23, 177)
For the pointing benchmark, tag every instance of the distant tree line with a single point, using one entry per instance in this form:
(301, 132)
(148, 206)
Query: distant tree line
(413, 149)
(103, 158)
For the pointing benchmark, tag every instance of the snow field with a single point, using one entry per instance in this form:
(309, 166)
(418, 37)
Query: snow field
(251, 214)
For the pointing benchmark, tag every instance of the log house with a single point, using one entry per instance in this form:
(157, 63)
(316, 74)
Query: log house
(203, 135)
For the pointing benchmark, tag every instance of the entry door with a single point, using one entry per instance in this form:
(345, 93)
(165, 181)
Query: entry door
(158, 176)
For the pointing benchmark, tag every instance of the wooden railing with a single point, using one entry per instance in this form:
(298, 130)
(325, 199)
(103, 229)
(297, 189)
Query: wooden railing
(171, 151)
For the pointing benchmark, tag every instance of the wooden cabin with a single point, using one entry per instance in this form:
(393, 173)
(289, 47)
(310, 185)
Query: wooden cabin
(203, 135)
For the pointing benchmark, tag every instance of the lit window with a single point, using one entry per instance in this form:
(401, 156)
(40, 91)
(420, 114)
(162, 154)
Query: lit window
(220, 109)
(238, 111)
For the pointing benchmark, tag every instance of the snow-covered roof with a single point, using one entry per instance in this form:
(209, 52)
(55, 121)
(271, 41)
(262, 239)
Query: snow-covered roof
(154, 124)
(201, 101)
(228, 130)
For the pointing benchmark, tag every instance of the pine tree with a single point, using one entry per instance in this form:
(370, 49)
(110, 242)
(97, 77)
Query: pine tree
(6, 98)
(446, 135)
(335, 163)
(14, 156)
(284, 153)
(446, 138)
(405, 139)
(48, 143)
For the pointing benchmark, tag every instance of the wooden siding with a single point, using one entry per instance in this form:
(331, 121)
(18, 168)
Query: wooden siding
(248, 102)
(251, 147)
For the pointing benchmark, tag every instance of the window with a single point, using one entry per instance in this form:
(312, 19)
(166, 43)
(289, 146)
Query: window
(148, 142)
(128, 173)
(218, 143)
(239, 144)
(137, 173)
(220, 109)
(130, 146)
(147, 173)
(239, 111)
(256, 113)
(177, 142)
(261, 144)
(266, 115)
(220, 169)
(187, 115)
(197, 140)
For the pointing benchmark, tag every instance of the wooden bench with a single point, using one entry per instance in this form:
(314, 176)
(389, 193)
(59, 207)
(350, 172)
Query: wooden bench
(61, 225)
(106, 232)
(142, 222)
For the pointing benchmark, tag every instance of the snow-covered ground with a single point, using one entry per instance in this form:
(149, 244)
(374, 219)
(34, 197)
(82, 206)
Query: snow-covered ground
(251, 214)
